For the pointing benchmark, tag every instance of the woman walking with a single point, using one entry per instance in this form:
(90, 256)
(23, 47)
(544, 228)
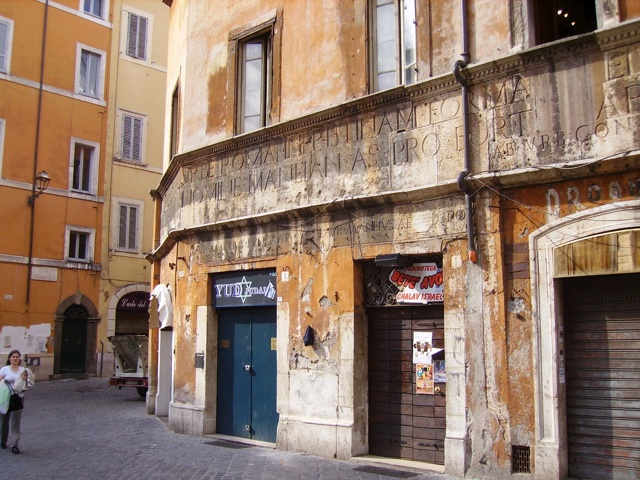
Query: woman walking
(18, 378)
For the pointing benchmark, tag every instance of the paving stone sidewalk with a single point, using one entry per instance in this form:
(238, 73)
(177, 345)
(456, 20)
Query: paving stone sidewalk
(85, 429)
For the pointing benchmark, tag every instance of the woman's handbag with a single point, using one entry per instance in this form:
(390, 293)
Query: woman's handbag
(15, 401)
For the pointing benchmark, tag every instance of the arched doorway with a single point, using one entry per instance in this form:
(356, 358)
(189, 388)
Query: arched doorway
(560, 326)
(129, 310)
(132, 314)
(75, 336)
(73, 351)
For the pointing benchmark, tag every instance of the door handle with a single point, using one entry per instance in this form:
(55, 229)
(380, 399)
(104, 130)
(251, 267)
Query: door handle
(246, 367)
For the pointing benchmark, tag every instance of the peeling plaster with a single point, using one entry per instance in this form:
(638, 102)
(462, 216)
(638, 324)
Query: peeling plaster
(516, 305)
(27, 340)
(306, 293)
(300, 356)
(325, 302)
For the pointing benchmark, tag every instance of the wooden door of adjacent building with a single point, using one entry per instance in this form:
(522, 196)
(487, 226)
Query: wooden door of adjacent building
(74, 340)
(602, 341)
(402, 423)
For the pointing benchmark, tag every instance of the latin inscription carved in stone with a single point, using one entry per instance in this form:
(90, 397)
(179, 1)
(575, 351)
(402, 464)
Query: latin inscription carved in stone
(377, 226)
(514, 123)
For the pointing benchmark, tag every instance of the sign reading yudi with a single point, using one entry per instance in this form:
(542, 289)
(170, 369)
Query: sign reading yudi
(419, 283)
(244, 289)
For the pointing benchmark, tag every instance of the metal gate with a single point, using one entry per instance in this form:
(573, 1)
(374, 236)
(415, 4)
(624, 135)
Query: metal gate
(602, 342)
(247, 374)
(403, 423)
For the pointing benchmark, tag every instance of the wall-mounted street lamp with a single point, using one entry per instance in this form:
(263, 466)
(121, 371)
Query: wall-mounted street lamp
(40, 184)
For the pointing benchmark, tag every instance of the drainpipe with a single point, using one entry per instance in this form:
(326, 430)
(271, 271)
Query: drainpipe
(35, 154)
(462, 183)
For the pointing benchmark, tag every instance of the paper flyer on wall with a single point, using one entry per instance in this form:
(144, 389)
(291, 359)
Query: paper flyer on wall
(424, 379)
(423, 347)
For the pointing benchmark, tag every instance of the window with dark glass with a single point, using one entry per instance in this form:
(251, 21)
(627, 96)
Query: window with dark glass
(175, 119)
(82, 168)
(78, 246)
(557, 19)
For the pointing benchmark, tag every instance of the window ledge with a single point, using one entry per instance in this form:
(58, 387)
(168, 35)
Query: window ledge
(131, 163)
(80, 265)
(127, 253)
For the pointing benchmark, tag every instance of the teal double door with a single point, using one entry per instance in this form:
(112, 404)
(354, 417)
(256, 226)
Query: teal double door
(247, 374)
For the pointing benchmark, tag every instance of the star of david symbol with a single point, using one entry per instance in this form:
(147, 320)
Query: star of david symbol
(245, 289)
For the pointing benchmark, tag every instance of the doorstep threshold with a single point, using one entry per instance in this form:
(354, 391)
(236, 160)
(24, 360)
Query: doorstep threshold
(398, 462)
(244, 441)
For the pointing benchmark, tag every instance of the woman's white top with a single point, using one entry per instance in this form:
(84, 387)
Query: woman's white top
(14, 378)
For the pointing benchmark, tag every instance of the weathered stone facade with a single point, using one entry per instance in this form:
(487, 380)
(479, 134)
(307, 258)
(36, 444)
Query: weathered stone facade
(553, 137)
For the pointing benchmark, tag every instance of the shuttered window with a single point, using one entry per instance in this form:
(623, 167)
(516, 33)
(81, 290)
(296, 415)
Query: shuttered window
(132, 138)
(137, 37)
(128, 227)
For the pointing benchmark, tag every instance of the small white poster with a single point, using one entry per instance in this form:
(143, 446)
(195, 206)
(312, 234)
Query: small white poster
(423, 348)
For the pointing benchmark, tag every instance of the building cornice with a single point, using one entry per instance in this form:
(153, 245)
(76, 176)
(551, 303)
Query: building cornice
(623, 34)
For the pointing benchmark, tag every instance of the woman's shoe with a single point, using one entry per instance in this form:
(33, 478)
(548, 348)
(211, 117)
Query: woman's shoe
(15, 450)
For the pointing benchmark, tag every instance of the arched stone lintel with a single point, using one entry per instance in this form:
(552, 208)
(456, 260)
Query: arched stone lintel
(551, 460)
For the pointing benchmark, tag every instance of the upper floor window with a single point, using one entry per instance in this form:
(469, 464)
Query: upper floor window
(128, 227)
(82, 167)
(6, 33)
(93, 7)
(137, 36)
(2, 128)
(393, 47)
(175, 119)
(90, 72)
(131, 139)
(79, 244)
(557, 19)
(255, 80)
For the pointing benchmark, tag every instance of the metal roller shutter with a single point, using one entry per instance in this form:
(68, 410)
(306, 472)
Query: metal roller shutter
(602, 341)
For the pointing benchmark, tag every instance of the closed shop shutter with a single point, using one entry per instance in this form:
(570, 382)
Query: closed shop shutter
(131, 322)
(402, 423)
(602, 341)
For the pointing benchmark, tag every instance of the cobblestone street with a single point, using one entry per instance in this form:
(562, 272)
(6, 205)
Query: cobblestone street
(84, 429)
